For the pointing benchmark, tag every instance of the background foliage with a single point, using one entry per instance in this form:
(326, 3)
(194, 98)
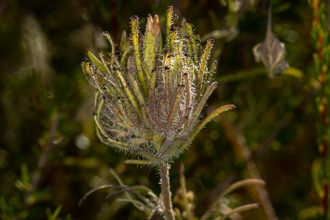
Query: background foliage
(41, 46)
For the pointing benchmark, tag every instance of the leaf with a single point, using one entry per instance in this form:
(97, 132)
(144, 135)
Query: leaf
(97, 62)
(214, 114)
(241, 183)
(138, 162)
(55, 214)
(271, 52)
(124, 42)
(203, 65)
(151, 42)
(228, 190)
(317, 176)
(312, 212)
(294, 72)
(238, 210)
(136, 48)
(106, 186)
(129, 196)
(25, 174)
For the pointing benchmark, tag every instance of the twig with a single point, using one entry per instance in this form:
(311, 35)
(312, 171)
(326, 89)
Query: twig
(184, 192)
(43, 159)
(239, 184)
(286, 121)
(243, 153)
(212, 195)
(239, 209)
(231, 188)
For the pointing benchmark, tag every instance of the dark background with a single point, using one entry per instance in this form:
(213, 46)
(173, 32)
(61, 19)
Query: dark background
(41, 46)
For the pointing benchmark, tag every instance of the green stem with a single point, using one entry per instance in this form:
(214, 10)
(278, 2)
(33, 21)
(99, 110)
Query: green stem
(166, 191)
(184, 192)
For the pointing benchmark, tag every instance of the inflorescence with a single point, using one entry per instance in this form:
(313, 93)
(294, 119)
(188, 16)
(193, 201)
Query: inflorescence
(149, 98)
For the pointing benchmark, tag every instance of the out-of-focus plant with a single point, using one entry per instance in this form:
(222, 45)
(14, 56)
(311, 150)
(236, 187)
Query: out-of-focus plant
(55, 214)
(271, 52)
(230, 30)
(220, 208)
(29, 193)
(149, 98)
(321, 166)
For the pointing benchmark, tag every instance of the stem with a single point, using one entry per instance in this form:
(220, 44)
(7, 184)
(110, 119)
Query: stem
(322, 55)
(41, 164)
(243, 153)
(166, 191)
(184, 192)
(43, 159)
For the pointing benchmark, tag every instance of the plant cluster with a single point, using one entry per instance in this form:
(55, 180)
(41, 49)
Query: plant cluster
(320, 39)
(149, 97)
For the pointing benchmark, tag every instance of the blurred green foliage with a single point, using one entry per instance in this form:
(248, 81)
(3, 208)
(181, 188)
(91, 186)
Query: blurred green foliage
(42, 44)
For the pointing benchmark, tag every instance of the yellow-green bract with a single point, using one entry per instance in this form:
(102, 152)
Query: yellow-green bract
(148, 97)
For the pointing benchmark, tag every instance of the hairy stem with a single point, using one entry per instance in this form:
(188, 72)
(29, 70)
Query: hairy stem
(166, 191)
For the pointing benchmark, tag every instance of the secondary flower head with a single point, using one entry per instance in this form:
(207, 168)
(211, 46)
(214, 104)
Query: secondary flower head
(149, 97)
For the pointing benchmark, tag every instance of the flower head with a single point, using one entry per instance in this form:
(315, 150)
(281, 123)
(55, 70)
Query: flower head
(149, 98)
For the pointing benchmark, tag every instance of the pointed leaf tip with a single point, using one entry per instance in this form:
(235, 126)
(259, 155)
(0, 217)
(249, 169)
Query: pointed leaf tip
(228, 107)
(199, 127)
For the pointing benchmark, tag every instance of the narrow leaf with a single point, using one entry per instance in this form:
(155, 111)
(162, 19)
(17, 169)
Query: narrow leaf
(97, 62)
(138, 162)
(239, 209)
(203, 123)
(136, 47)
